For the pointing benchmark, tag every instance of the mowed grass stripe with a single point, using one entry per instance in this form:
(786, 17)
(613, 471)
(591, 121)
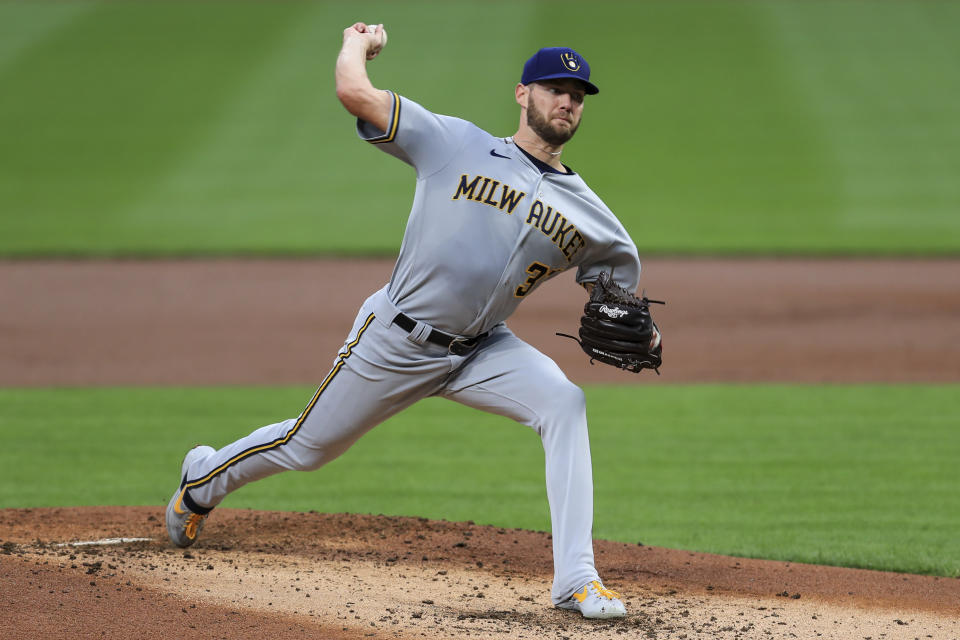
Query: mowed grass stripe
(721, 127)
(858, 476)
(96, 115)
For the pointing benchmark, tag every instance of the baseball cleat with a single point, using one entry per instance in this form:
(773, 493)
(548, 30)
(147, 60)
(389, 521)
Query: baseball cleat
(595, 601)
(183, 525)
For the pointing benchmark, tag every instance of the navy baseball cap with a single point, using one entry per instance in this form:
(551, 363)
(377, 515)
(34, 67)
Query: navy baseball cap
(558, 62)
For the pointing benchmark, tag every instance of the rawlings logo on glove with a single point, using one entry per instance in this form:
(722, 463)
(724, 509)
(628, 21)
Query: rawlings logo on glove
(623, 335)
(614, 312)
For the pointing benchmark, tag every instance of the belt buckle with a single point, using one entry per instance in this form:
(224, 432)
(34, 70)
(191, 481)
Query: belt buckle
(459, 347)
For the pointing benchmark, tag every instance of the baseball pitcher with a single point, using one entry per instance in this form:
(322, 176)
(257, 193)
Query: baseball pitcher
(492, 218)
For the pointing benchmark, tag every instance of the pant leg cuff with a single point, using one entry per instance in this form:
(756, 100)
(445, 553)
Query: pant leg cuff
(193, 506)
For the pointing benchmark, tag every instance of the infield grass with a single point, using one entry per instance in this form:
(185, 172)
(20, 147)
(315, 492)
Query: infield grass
(198, 128)
(858, 476)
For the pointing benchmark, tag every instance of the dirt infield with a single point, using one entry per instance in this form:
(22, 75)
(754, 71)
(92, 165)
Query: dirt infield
(282, 321)
(306, 575)
(287, 575)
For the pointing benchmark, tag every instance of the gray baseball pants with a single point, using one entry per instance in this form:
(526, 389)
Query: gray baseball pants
(380, 371)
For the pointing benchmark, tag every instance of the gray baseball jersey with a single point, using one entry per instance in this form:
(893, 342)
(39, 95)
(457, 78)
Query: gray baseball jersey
(487, 227)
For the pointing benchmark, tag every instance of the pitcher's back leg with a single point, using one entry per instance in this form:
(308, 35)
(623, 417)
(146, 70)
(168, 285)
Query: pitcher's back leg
(509, 377)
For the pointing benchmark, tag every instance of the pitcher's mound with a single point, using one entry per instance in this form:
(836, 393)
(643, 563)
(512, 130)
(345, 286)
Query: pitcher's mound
(109, 572)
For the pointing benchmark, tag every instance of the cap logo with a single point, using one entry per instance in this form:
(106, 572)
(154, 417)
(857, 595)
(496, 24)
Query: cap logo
(570, 61)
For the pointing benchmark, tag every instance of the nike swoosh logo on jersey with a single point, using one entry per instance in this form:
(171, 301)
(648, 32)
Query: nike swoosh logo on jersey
(494, 153)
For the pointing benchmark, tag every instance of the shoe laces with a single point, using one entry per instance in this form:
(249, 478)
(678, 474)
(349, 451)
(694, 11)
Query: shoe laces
(603, 591)
(194, 520)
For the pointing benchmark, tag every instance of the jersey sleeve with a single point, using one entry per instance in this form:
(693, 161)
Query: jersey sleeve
(425, 140)
(620, 259)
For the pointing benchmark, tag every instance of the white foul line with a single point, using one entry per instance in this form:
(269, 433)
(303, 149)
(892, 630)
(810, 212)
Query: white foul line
(103, 542)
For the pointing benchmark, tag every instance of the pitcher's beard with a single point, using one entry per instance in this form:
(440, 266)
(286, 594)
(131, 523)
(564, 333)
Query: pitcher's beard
(547, 132)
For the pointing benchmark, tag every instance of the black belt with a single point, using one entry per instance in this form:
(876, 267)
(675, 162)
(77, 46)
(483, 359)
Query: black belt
(454, 344)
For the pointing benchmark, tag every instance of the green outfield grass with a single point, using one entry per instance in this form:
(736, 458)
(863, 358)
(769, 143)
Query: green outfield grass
(861, 476)
(170, 128)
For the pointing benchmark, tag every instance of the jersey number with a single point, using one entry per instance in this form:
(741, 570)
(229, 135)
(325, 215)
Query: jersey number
(537, 271)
